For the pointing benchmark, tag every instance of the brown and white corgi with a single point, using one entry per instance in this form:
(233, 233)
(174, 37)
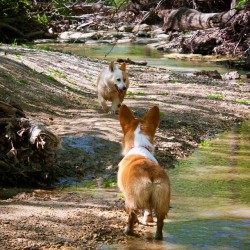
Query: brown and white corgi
(144, 183)
(112, 85)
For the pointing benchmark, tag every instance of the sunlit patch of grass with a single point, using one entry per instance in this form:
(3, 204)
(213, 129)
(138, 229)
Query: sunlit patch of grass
(109, 183)
(204, 143)
(173, 81)
(71, 81)
(52, 78)
(90, 78)
(242, 101)
(129, 93)
(121, 195)
(14, 43)
(215, 96)
(46, 48)
(59, 73)
(19, 57)
(154, 99)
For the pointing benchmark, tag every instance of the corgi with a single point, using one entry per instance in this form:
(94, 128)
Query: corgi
(145, 184)
(112, 85)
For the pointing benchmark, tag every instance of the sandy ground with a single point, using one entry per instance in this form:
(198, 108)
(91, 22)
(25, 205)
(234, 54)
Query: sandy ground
(59, 90)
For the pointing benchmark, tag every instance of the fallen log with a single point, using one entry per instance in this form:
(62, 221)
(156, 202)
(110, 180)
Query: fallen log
(129, 61)
(27, 149)
(184, 19)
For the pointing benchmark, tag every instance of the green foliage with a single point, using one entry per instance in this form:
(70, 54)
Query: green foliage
(23, 81)
(42, 19)
(173, 81)
(204, 143)
(215, 96)
(109, 183)
(19, 18)
(240, 4)
(10, 8)
(140, 93)
(242, 101)
(14, 43)
(162, 114)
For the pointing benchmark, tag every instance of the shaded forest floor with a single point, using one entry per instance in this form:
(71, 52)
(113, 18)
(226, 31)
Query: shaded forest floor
(59, 90)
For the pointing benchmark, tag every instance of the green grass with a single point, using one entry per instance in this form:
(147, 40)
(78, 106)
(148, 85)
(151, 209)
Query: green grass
(109, 183)
(154, 99)
(19, 57)
(215, 96)
(242, 101)
(23, 81)
(52, 78)
(59, 73)
(204, 143)
(162, 114)
(173, 81)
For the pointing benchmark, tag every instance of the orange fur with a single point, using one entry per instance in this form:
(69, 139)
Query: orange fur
(144, 183)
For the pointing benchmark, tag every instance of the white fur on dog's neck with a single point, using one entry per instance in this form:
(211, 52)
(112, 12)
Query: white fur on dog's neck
(142, 146)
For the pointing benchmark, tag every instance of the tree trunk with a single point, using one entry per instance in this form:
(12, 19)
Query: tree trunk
(185, 19)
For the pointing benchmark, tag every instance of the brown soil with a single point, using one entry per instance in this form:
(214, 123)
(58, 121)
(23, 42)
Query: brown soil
(59, 90)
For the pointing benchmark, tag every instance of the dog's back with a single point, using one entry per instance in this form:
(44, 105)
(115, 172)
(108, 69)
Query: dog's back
(145, 184)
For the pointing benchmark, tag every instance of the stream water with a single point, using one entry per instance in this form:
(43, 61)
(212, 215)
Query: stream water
(210, 198)
(137, 52)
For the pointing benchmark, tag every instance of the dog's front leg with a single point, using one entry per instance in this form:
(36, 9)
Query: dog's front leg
(115, 105)
(103, 103)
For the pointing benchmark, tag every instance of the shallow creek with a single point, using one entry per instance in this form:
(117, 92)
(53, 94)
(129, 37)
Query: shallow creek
(210, 201)
(210, 198)
(139, 53)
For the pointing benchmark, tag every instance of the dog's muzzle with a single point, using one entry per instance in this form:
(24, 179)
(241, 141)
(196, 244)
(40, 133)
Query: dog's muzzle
(120, 90)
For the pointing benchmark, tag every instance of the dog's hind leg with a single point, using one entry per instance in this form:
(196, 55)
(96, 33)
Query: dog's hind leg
(148, 217)
(132, 219)
(160, 223)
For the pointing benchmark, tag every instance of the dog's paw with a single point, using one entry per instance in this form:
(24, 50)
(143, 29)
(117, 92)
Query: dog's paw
(128, 231)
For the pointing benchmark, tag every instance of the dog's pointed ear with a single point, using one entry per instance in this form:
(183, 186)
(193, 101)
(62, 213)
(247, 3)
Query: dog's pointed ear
(152, 118)
(125, 117)
(112, 66)
(123, 67)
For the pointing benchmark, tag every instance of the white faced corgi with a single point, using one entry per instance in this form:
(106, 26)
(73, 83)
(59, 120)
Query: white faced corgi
(144, 183)
(112, 85)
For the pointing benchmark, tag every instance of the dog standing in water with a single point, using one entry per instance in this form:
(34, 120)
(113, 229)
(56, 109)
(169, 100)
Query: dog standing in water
(144, 183)
(112, 85)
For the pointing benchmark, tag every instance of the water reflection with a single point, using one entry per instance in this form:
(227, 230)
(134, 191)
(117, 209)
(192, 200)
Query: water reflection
(210, 198)
(134, 52)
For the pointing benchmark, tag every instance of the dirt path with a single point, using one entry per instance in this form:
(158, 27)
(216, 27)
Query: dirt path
(59, 90)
